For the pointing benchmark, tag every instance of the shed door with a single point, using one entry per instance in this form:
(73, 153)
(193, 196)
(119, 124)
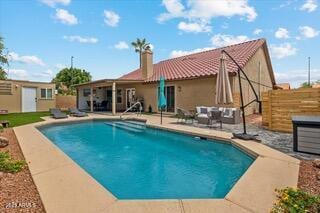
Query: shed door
(29, 99)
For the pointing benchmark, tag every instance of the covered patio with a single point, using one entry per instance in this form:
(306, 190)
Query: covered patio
(107, 95)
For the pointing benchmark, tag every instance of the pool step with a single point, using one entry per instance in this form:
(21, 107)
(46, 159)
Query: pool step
(129, 126)
(136, 123)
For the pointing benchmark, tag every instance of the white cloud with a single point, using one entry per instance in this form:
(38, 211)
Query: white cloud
(25, 59)
(296, 77)
(18, 74)
(308, 32)
(283, 50)
(65, 17)
(206, 10)
(44, 74)
(121, 45)
(52, 3)
(60, 66)
(178, 53)
(111, 18)
(175, 9)
(194, 27)
(309, 6)
(257, 31)
(220, 40)
(282, 33)
(81, 39)
(284, 4)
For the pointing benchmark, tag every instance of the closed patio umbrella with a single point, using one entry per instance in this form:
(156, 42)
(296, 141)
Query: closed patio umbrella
(223, 88)
(224, 95)
(162, 101)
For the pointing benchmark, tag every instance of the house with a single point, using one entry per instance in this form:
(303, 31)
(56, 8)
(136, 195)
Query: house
(26, 96)
(190, 80)
(284, 86)
(316, 85)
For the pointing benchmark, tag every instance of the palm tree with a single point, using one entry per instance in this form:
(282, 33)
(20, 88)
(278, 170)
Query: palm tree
(3, 60)
(139, 46)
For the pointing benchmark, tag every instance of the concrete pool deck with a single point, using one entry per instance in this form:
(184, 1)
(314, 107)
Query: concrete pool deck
(66, 187)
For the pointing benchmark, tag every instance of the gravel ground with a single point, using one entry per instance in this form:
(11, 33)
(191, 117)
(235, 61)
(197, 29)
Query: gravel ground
(308, 180)
(18, 192)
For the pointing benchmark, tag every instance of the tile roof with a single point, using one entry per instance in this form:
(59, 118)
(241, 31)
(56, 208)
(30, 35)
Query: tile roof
(200, 64)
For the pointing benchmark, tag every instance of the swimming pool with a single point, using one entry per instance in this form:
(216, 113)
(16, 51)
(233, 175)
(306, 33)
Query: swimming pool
(135, 162)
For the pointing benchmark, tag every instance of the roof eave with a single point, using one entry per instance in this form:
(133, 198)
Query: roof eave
(117, 80)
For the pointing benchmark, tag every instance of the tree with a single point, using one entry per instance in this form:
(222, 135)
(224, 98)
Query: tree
(3, 61)
(139, 46)
(306, 84)
(67, 77)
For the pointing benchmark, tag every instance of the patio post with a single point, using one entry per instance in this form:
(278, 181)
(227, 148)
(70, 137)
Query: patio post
(91, 99)
(114, 90)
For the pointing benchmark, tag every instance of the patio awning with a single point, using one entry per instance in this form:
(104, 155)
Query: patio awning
(103, 82)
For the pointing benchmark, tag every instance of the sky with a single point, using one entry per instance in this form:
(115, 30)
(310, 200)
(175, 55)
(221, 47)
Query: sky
(41, 35)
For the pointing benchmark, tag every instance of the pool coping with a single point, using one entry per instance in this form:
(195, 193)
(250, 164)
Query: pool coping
(53, 173)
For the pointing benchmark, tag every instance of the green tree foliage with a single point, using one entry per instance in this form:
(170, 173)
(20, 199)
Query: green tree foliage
(306, 85)
(3, 61)
(139, 46)
(67, 77)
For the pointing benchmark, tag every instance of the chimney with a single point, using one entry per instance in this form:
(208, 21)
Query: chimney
(147, 64)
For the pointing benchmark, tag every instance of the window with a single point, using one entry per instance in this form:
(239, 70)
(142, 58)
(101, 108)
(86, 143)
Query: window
(119, 96)
(49, 93)
(46, 93)
(87, 91)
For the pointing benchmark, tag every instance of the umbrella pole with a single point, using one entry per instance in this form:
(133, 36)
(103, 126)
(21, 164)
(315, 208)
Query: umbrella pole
(161, 115)
(243, 135)
(242, 106)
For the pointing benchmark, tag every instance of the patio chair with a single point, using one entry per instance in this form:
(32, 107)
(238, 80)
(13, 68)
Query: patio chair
(184, 115)
(231, 116)
(202, 115)
(103, 105)
(57, 114)
(95, 106)
(76, 113)
(215, 115)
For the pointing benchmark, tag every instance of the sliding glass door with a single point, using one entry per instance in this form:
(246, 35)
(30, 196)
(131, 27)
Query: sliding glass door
(169, 94)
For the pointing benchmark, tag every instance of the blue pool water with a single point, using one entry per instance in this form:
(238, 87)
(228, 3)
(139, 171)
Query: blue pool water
(152, 164)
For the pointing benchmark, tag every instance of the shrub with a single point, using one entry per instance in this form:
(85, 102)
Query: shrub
(7, 164)
(295, 201)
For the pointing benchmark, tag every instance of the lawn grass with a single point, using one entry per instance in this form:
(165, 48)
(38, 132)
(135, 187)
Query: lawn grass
(18, 119)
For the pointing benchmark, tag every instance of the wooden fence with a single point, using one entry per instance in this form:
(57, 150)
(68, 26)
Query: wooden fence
(279, 105)
(66, 101)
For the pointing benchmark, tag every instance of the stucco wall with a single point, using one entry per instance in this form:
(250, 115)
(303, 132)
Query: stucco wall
(188, 93)
(12, 102)
(252, 71)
